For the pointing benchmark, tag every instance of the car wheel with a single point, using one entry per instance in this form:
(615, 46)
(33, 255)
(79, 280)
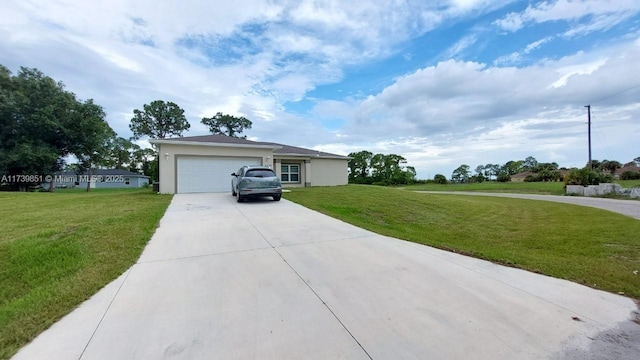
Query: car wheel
(233, 192)
(240, 198)
(277, 197)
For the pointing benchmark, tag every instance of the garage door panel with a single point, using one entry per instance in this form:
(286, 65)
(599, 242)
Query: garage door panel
(197, 174)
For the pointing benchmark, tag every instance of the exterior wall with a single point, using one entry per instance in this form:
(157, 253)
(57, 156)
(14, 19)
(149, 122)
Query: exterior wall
(134, 182)
(329, 172)
(169, 153)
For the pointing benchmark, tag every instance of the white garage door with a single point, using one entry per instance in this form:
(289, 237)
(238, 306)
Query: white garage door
(208, 174)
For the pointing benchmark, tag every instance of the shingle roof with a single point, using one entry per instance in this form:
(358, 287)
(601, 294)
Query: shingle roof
(294, 150)
(279, 149)
(215, 138)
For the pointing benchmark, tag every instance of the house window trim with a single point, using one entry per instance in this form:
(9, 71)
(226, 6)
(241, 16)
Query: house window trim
(288, 173)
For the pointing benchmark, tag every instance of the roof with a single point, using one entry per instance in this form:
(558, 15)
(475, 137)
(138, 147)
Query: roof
(278, 149)
(106, 172)
(294, 150)
(628, 167)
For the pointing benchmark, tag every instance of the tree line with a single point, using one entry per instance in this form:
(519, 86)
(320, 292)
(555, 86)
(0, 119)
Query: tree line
(537, 171)
(42, 125)
(380, 169)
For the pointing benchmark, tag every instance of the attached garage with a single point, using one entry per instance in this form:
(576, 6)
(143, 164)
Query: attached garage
(199, 164)
(197, 174)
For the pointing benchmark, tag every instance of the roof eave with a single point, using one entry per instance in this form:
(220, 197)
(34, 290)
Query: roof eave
(213, 144)
(337, 157)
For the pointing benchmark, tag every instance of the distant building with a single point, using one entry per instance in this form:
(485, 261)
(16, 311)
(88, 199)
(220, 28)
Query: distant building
(99, 179)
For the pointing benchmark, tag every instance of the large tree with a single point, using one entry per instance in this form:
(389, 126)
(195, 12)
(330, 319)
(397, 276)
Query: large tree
(229, 125)
(37, 116)
(359, 166)
(461, 174)
(92, 136)
(158, 120)
(610, 165)
(121, 152)
(529, 164)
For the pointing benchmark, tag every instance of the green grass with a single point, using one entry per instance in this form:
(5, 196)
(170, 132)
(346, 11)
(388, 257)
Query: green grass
(585, 245)
(543, 188)
(628, 183)
(58, 249)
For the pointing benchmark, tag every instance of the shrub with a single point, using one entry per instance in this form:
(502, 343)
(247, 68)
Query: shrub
(586, 176)
(440, 179)
(630, 175)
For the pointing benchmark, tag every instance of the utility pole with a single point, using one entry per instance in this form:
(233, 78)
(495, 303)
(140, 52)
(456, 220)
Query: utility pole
(589, 133)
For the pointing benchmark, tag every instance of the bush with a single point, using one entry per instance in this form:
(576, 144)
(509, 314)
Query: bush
(504, 178)
(531, 178)
(630, 175)
(586, 176)
(440, 179)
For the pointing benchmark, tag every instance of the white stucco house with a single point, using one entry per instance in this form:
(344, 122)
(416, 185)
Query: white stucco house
(197, 164)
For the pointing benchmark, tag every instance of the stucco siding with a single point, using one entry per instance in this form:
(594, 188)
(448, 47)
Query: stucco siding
(169, 153)
(328, 172)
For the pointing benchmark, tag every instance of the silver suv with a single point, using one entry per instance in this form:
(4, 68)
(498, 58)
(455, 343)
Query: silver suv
(255, 181)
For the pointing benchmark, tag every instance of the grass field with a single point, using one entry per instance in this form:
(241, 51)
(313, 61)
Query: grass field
(543, 188)
(58, 249)
(585, 245)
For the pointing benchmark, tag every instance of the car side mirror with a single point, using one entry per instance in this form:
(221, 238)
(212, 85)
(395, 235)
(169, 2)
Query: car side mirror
(233, 174)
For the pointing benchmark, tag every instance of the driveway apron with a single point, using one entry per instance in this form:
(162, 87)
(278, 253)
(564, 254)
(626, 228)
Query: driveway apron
(274, 280)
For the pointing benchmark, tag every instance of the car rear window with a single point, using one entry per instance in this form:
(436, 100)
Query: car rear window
(260, 173)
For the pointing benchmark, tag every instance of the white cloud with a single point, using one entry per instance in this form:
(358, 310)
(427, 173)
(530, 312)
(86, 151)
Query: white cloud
(599, 14)
(209, 57)
(464, 112)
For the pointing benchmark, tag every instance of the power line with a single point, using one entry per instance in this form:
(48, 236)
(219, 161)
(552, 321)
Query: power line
(618, 93)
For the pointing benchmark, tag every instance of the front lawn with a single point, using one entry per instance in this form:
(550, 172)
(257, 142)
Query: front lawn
(542, 188)
(594, 247)
(58, 249)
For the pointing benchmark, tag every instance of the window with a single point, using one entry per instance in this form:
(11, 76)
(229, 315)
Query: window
(290, 173)
(260, 173)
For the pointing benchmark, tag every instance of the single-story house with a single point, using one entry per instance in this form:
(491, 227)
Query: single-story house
(197, 164)
(99, 179)
(627, 167)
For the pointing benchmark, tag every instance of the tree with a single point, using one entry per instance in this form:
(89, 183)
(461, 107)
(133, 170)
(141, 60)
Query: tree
(36, 116)
(380, 169)
(158, 120)
(479, 176)
(120, 155)
(227, 124)
(359, 166)
(512, 167)
(461, 174)
(91, 137)
(610, 165)
(145, 161)
(440, 179)
(529, 164)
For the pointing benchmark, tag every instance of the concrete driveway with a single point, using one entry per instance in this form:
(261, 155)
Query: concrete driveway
(274, 280)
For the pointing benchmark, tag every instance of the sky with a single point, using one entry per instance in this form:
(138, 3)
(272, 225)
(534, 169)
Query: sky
(440, 82)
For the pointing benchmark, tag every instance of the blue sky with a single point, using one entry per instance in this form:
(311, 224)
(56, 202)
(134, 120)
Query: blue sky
(442, 83)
